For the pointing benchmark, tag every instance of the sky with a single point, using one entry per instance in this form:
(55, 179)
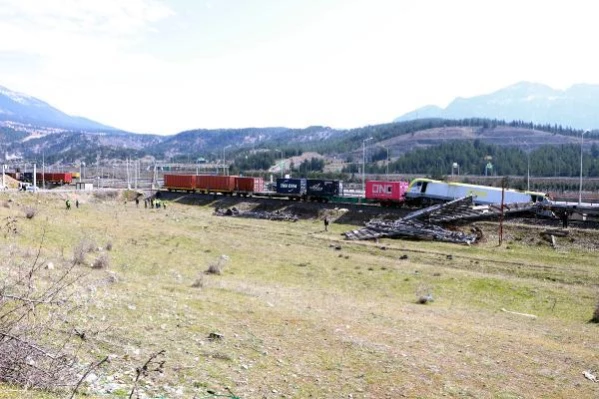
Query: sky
(165, 66)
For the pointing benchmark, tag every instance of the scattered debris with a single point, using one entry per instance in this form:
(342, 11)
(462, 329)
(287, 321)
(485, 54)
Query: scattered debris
(531, 316)
(590, 376)
(425, 224)
(276, 215)
(215, 336)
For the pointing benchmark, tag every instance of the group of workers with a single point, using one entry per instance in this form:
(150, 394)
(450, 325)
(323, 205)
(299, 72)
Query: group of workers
(68, 203)
(152, 203)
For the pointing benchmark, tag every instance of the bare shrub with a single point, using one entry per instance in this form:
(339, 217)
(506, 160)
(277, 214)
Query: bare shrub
(595, 318)
(78, 256)
(218, 266)
(152, 365)
(109, 245)
(424, 294)
(199, 282)
(10, 227)
(34, 306)
(84, 247)
(30, 212)
(101, 262)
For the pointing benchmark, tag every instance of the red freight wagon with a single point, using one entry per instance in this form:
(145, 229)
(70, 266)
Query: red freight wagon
(54, 178)
(61, 178)
(386, 191)
(180, 182)
(249, 185)
(215, 184)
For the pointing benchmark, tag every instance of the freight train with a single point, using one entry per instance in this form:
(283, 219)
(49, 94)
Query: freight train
(420, 192)
(212, 184)
(427, 191)
(293, 189)
(51, 178)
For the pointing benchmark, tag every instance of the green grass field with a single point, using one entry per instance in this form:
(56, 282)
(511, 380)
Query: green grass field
(301, 318)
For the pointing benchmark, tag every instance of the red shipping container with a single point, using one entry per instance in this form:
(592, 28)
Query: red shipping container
(59, 177)
(392, 191)
(249, 184)
(180, 182)
(215, 184)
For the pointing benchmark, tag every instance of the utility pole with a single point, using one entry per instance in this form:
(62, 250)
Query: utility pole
(364, 163)
(528, 173)
(580, 189)
(128, 178)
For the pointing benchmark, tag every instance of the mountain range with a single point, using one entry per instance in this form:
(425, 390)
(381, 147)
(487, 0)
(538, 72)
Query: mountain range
(24, 109)
(31, 128)
(576, 107)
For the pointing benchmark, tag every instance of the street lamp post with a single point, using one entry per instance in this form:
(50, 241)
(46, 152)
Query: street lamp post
(364, 163)
(580, 189)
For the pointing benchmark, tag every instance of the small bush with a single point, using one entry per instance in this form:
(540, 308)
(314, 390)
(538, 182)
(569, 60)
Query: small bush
(101, 262)
(218, 266)
(30, 212)
(78, 256)
(424, 299)
(200, 282)
(595, 318)
(109, 246)
(83, 248)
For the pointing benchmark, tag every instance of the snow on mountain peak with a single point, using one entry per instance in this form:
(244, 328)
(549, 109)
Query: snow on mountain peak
(16, 97)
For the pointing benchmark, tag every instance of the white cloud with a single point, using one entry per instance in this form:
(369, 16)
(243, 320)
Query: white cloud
(343, 63)
(52, 27)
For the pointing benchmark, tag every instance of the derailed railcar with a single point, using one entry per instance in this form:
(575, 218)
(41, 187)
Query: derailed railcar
(426, 191)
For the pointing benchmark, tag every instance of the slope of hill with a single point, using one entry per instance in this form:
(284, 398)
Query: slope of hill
(21, 140)
(21, 108)
(575, 107)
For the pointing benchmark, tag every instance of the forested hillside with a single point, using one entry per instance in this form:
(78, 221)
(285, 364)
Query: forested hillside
(427, 146)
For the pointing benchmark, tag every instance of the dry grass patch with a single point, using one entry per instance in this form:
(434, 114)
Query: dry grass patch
(328, 329)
